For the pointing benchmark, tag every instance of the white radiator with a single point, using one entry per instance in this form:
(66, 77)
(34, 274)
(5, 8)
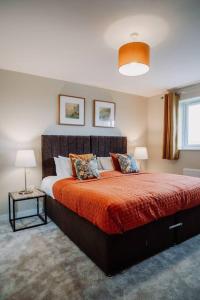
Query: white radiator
(191, 172)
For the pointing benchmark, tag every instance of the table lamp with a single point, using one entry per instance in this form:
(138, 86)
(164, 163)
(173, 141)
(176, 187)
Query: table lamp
(25, 159)
(141, 154)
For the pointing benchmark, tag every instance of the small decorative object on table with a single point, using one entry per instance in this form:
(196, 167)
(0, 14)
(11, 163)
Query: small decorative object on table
(14, 197)
(25, 159)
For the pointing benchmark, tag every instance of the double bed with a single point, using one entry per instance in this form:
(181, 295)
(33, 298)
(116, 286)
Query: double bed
(119, 219)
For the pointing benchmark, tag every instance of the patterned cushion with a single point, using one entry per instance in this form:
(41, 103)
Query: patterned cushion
(86, 169)
(127, 164)
(73, 157)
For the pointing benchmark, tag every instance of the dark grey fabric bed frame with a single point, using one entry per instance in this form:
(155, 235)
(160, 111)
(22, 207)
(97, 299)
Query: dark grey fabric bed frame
(112, 253)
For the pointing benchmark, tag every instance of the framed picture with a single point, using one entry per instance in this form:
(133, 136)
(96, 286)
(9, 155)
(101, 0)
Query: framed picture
(104, 114)
(71, 110)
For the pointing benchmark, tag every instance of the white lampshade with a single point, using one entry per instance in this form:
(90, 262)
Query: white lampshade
(141, 153)
(25, 159)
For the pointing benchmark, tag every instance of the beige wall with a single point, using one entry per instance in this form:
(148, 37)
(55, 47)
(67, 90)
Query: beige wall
(28, 109)
(188, 158)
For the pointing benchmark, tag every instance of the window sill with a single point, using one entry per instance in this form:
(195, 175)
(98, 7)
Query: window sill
(190, 149)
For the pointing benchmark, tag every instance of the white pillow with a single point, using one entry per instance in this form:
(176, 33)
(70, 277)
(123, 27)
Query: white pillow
(99, 164)
(66, 163)
(106, 163)
(57, 162)
(63, 166)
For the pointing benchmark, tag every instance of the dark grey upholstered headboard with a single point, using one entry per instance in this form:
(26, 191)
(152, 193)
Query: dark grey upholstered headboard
(54, 145)
(103, 145)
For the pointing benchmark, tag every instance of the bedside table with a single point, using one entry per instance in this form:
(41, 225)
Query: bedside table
(14, 197)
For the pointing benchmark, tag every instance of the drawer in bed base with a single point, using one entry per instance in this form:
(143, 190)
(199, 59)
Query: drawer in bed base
(190, 224)
(161, 234)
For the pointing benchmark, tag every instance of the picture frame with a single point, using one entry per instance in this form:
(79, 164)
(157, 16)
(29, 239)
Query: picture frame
(104, 114)
(71, 110)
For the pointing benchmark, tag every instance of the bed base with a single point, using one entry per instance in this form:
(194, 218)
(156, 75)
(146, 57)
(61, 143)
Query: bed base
(115, 252)
(112, 253)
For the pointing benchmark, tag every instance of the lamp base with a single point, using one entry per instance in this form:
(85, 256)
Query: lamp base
(25, 192)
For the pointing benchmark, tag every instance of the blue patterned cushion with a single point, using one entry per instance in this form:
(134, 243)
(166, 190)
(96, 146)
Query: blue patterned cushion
(86, 169)
(127, 164)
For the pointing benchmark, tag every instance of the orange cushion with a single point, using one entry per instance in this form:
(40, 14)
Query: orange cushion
(73, 157)
(116, 164)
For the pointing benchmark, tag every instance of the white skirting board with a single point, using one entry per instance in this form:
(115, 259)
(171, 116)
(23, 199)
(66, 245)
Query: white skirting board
(191, 172)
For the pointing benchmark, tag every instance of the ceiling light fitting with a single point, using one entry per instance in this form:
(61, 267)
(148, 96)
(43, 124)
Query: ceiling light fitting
(134, 57)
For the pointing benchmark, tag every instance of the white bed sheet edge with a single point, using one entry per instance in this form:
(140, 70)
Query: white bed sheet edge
(48, 182)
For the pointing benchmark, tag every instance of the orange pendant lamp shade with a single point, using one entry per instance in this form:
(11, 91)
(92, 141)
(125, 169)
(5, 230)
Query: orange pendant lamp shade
(134, 59)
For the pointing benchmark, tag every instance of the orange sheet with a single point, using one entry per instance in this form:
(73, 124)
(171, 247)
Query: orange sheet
(117, 202)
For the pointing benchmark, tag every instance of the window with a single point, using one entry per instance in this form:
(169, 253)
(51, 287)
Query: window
(189, 124)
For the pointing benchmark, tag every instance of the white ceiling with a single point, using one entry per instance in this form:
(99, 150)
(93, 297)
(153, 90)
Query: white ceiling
(77, 40)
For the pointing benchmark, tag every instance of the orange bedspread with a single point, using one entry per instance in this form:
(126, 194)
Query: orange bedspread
(117, 203)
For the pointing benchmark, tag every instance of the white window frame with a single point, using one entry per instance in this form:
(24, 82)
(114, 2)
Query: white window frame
(183, 124)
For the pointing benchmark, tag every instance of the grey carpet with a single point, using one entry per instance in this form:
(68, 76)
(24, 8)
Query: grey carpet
(42, 263)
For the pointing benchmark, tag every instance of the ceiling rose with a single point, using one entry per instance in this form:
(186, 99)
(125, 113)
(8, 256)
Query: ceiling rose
(152, 29)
